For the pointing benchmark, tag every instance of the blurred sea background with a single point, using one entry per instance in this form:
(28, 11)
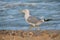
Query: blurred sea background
(12, 19)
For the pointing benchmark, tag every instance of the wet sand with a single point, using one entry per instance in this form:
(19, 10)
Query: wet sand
(29, 35)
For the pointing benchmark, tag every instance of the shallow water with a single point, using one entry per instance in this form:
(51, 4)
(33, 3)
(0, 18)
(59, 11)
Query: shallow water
(12, 19)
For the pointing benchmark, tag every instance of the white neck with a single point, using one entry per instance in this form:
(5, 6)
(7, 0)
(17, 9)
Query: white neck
(26, 16)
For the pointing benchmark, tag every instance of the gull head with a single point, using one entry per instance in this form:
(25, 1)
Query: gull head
(25, 11)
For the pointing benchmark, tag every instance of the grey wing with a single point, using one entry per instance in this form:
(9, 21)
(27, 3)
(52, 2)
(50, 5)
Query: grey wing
(32, 19)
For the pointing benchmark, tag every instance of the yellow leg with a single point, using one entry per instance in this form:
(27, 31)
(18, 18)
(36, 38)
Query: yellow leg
(37, 27)
(30, 28)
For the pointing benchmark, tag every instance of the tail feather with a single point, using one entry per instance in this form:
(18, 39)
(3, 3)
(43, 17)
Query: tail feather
(47, 19)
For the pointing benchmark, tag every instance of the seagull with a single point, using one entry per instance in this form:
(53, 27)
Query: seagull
(32, 20)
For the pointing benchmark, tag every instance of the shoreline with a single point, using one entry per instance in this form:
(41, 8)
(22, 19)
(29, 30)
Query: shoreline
(29, 35)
